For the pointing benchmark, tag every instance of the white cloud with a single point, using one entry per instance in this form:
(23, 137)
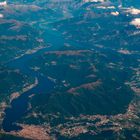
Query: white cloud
(105, 7)
(133, 11)
(4, 3)
(135, 22)
(93, 0)
(115, 13)
(1, 16)
(122, 51)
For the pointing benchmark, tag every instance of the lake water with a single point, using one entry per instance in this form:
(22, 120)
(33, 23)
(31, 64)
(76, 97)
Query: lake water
(19, 106)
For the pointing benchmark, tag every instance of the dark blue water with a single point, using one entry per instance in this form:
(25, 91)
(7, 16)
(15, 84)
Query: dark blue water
(19, 106)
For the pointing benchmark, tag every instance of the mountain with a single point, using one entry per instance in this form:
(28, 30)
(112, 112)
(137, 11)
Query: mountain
(70, 69)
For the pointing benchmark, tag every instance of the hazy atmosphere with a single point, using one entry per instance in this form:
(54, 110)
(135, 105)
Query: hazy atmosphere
(69, 70)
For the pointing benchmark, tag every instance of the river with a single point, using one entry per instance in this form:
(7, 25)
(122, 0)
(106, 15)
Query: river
(19, 106)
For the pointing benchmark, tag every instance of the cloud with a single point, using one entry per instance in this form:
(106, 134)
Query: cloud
(1, 16)
(133, 11)
(115, 13)
(93, 0)
(4, 3)
(135, 22)
(122, 51)
(105, 7)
